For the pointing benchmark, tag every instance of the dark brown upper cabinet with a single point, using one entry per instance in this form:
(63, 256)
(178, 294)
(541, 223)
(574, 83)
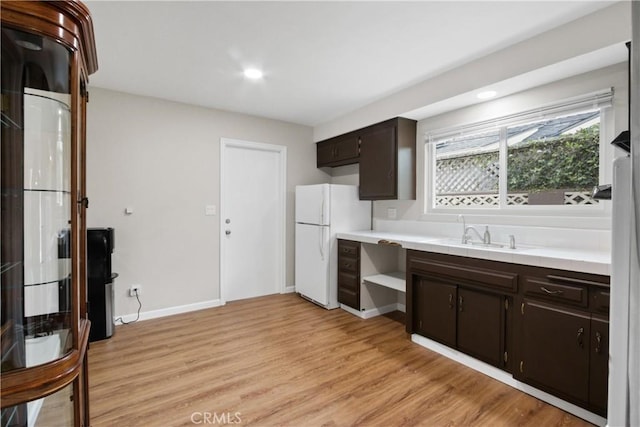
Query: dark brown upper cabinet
(339, 151)
(388, 160)
(386, 153)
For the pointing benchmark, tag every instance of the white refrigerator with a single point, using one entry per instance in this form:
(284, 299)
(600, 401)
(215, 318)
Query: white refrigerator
(322, 211)
(624, 322)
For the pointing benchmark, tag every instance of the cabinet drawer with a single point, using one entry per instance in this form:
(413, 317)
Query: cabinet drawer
(348, 264)
(348, 248)
(348, 281)
(347, 297)
(567, 293)
(490, 278)
(600, 300)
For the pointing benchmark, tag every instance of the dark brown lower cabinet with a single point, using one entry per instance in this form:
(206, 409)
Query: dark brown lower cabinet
(599, 364)
(548, 327)
(554, 353)
(565, 352)
(462, 318)
(349, 273)
(435, 310)
(481, 325)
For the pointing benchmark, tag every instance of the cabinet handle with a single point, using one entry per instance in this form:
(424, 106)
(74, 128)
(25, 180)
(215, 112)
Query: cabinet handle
(450, 301)
(551, 292)
(347, 265)
(84, 202)
(579, 337)
(522, 366)
(598, 342)
(460, 302)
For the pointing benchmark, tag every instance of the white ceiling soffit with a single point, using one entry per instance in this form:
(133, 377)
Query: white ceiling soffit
(578, 65)
(321, 60)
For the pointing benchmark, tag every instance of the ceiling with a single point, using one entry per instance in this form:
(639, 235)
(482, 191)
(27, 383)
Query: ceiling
(321, 60)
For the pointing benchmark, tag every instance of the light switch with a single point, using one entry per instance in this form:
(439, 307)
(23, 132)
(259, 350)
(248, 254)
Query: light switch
(210, 210)
(392, 213)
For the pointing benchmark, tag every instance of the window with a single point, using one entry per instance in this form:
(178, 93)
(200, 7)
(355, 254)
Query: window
(549, 157)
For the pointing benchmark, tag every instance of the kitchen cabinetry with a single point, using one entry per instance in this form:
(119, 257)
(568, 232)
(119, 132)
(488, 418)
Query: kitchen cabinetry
(450, 304)
(387, 160)
(349, 273)
(370, 279)
(556, 340)
(563, 341)
(339, 151)
(48, 52)
(548, 327)
(386, 153)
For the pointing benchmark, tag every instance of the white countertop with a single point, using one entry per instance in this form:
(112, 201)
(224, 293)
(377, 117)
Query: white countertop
(586, 261)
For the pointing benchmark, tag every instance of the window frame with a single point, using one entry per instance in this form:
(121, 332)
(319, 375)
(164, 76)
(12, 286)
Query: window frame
(602, 100)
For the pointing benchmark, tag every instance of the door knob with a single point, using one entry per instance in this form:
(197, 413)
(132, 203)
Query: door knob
(227, 232)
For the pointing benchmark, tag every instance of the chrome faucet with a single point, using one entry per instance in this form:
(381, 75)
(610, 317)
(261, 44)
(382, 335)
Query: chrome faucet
(466, 237)
(486, 239)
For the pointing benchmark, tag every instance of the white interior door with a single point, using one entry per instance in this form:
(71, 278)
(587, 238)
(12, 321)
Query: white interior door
(252, 228)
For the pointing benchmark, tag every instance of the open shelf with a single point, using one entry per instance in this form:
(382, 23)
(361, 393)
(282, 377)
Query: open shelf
(395, 280)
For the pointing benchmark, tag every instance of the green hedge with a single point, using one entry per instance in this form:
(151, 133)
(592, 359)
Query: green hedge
(564, 162)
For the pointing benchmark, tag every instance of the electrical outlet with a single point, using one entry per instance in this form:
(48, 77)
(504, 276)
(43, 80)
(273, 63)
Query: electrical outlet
(133, 290)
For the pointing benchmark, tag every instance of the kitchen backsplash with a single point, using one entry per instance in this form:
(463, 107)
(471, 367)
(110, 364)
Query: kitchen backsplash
(552, 237)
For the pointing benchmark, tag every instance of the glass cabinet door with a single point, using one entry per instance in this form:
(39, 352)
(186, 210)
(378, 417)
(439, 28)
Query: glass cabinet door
(36, 200)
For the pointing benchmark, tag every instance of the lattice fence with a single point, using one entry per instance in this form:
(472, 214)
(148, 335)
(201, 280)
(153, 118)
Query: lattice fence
(468, 174)
(513, 199)
(472, 180)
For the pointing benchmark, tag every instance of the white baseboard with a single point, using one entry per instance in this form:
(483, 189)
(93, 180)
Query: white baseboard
(507, 378)
(373, 312)
(289, 289)
(169, 311)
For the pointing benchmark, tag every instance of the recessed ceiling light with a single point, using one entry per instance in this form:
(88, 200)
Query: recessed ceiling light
(487, 94)
(253, 73)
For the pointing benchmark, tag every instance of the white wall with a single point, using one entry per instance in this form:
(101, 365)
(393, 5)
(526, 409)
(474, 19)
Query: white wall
(600, 30)
(161, 159)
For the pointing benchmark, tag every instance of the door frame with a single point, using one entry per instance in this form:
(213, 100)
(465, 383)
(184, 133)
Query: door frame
(281, 150)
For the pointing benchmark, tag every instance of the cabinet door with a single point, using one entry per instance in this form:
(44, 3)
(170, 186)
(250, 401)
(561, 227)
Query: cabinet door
(555, 350)
(324, 153)
(347, 148)
(338, 151)
(434, 311)
(378, 162)
(481, 325)
(599, 365)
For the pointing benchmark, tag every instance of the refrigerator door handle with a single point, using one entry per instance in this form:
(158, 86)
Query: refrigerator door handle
(321, 242)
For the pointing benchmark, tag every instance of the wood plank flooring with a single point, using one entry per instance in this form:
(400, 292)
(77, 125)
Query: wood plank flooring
(280, 360)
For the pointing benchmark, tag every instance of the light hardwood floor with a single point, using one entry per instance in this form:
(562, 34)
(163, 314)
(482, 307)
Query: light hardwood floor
(280, 360)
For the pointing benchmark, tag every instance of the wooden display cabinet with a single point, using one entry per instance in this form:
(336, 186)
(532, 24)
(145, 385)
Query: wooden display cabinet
(48, 52)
